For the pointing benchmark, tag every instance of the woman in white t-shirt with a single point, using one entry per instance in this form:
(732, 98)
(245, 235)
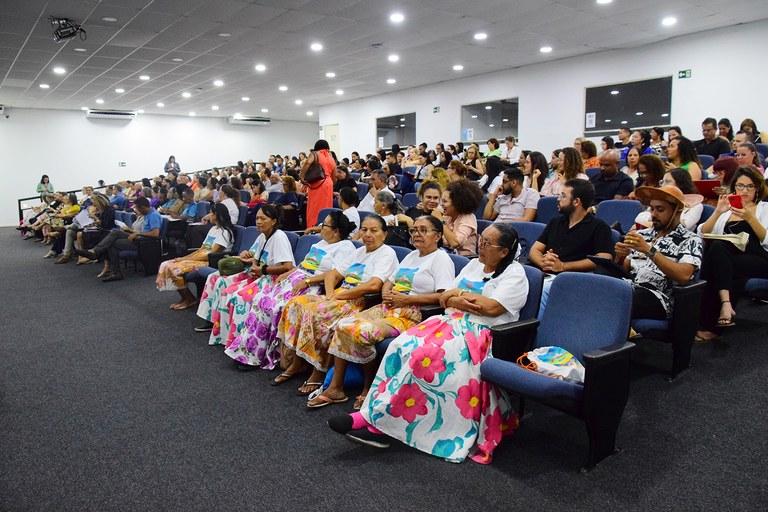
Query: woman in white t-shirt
(172, 273)
(225, 300)
(256, 344)
(428, 391)
(307, 322)
(419, 280)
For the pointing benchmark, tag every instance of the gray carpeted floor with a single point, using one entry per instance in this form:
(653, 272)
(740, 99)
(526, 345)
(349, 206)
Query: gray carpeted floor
(109, 401)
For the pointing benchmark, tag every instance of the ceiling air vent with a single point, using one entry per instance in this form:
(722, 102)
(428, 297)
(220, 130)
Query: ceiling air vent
(248, 120)
(111, 114)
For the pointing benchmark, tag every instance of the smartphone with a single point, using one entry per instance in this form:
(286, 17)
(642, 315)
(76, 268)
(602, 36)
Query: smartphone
(639, 226)
(735, 200)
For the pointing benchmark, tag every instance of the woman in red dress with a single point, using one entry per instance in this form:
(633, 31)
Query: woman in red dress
(319, 193)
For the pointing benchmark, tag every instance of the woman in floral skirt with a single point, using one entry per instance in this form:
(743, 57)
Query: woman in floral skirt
(256, 343)
(225, 300)
(428, 392)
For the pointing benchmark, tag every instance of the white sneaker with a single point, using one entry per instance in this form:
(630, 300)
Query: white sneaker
(50, 254)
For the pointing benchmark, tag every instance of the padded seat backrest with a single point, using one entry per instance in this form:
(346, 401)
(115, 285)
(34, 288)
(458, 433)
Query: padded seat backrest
(322, 214)
(305, 244)
(706, 161)
(459, 262)
(528, 233)
(362, 189)
(401, 252)
(245, 196)
(273, 197)
(546, 210)
(533, 300)
(585, 312)
(481, 209)
(591, 172)
(410, 200)
(203, 208)
(622, 211)
(293, 238)
(250, 236)
(243, 215)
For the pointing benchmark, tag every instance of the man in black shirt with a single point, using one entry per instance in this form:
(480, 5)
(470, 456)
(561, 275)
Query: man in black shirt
(611, 183)
(711, 144)
(571, 236)
(623, 139)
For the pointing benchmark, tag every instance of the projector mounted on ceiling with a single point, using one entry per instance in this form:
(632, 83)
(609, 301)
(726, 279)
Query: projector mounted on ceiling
(65, 28)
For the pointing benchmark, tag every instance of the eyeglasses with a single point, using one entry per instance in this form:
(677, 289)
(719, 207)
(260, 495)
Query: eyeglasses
(483, 242)
(741, 186)
(421, 231)
(666, 182)
(324, 225)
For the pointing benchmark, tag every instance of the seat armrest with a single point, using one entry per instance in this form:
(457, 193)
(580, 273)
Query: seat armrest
(606, 379)
(432, 310)
(513, 339)
(682, 290)
(372, 299)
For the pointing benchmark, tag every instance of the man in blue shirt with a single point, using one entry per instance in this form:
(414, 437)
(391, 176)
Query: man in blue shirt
(190, 207)
(119, 201)
(125, 239)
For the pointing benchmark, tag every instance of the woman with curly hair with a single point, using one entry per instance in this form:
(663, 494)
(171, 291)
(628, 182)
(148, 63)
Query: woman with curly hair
(569, 166)
(460, 201)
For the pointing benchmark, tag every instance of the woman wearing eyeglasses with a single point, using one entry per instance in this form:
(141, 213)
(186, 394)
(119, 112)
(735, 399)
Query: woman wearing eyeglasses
(256, 344)
(725, 267)
(419, 280)
(428, 392)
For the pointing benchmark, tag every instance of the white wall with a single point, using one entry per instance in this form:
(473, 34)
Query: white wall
(552, 94)
(75, 151)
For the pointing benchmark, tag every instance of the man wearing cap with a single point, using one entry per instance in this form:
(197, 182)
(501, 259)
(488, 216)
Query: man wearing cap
(510, 202)
(660, 256)
(571, 236)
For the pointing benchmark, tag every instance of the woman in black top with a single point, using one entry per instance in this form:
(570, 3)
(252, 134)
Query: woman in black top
(343, 180)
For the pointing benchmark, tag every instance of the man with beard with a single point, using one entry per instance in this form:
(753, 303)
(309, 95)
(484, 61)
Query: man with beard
(510, 202)
(571, 236)
(660, 256)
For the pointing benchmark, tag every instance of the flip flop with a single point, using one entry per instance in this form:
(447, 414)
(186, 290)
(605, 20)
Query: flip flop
(325, 400)
(359, 402)
(285, 378)
(307, 383)
(699, 339)
(726, 322)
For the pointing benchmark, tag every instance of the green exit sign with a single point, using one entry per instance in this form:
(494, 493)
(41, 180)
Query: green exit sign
(685, 73)
(435, 110)
(121, 164)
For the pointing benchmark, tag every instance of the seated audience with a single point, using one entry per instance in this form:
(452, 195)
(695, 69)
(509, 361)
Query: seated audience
(631, 170)
(747, 154)
(377, 184)
(429, 195)
(474, 165)
(589, 154)
(711, 144)
(611, 183)
(692, 201)
(460, 201)
(682, 154)
(749, 126)
(288, 199)
(536, 170)
(456, 170)
(569, 166)
(511, 202)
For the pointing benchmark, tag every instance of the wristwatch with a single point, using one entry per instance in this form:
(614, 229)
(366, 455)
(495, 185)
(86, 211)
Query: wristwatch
(652, 253)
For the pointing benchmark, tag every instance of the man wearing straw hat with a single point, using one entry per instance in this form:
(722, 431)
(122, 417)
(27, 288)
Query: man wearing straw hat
(660, 256)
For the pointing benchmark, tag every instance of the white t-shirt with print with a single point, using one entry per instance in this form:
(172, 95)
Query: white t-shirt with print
(234, 211)
(354, 216)
(510, 289)
(364, 265)
(217, 235)
(277, 249)
(424, 274)
(323, 256)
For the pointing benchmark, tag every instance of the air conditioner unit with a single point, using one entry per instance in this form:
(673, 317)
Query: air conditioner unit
(111, 114)
(248, 120)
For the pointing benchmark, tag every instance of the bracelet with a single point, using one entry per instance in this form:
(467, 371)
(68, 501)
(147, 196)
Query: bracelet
(264, 270)
(307, 282)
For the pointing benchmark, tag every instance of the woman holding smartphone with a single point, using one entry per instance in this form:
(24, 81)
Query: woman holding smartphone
(725, 267)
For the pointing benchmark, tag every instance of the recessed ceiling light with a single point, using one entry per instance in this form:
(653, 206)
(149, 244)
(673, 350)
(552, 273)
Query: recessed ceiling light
(192, 114)
(607, 120)
(315, 47)
(59, 70)
(603, 2)
(310, 113)
(474, 116)
(140, 111)
(45, 86)
(545, 49)
(298, 102)
(669, 21)
(402, 126)
(214, 107)
(638, 113)
(393, 58)
(177, 60)
(488, 107)
(614, 92)
(83, 108)
(339, 92)
(402, 119)
(391, 81)
(224, 34)
(161, 105)
(330, 74)
(264, 110)
(458, 67)
(237, 115)
(186, 94)
(218, 83)
(119, 90)
(144, 78)
(283, 88)
(664, 115)
(245, 98)
(504, 120)
(481, 36)
(261, 67)
(623, 122)
(491, 125)
(110, 19)
(396, 17)
(100, 101)
(80, 50)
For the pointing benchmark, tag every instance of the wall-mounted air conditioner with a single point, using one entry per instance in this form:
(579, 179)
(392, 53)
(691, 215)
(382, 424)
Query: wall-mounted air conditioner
(248, 120)
(127, 115)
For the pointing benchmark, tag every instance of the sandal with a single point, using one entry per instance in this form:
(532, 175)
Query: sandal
(314, 385)
(323, 400)
(724, 321)
(359, 402)
(700, 339)
(283, 377)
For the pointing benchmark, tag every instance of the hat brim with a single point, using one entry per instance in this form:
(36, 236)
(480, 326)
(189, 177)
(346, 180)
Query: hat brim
(646, 194)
